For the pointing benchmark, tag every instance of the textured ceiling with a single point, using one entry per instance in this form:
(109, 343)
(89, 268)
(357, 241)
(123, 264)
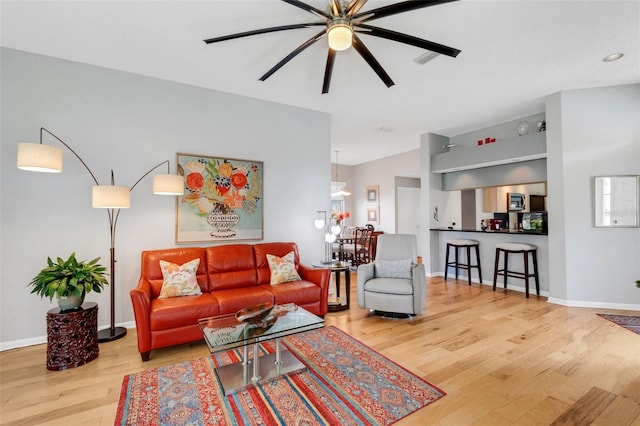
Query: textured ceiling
(514, 53)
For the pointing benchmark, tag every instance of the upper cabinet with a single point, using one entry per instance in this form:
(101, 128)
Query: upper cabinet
(527, 147)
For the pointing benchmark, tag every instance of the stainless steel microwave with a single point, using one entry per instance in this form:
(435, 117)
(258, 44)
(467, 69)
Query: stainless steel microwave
(515, 202)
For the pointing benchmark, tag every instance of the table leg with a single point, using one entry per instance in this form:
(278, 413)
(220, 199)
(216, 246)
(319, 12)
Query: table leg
(245, 363)
(347, 284)
(256, 366)
(337, 274)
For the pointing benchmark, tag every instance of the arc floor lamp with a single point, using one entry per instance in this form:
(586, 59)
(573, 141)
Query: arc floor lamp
(45, 158)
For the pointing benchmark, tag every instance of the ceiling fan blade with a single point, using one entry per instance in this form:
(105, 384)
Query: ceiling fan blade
(292, 55)
(354, 7)
(392, 9)
(328, 71)
(336, 8)
(407, 39)
(373, 63)
(263, 31)
(308, 8)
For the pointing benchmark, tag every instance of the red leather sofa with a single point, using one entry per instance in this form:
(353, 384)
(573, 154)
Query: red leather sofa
(231, 277)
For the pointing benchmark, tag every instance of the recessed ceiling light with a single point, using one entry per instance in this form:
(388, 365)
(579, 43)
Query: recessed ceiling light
(386, 129)
(613, 57)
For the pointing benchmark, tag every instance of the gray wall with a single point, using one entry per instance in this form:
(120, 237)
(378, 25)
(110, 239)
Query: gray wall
(594, 132)
(130, 123)
(590, 132)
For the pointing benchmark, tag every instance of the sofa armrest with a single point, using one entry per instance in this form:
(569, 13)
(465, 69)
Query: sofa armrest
(141, 301)
(366, 271)
(320, 277)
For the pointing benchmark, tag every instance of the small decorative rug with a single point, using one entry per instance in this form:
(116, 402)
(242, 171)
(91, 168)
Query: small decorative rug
(630, 322)
(347, 383)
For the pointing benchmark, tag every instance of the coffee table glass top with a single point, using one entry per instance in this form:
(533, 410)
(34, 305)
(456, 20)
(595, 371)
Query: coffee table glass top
(226, 332)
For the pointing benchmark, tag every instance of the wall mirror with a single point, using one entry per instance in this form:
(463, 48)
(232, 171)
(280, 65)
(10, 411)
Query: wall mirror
(616, 201)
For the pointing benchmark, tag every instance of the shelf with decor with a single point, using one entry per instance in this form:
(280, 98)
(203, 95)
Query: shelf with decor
(503, 151)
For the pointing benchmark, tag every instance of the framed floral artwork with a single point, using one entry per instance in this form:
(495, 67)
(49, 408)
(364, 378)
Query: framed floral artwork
(222, 200)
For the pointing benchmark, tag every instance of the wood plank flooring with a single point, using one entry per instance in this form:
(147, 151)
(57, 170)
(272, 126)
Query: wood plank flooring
(502, 360)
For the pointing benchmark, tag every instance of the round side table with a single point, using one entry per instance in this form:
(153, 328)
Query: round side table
(72, 337)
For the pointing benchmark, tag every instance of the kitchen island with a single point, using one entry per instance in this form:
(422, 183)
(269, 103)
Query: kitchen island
(488, 240)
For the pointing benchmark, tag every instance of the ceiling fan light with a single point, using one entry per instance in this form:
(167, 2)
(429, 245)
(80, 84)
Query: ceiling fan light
(340, 36)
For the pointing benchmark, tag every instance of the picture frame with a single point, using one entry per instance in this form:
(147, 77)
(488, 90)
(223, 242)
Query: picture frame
(372, 215)
(616, 201)
(223, 199)
(372, 194)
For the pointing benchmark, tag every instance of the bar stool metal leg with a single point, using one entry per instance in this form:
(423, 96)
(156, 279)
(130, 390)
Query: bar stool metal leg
(495, 269)
(446, 262)
(478, 264)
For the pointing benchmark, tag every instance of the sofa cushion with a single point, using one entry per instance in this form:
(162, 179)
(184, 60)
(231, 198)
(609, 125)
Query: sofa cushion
(277, 249)
(299, 292)
(283, 269)
(231, 266)
(391, 286)
(176, 312)
(400, 268)
(179, 280)
(231, 301)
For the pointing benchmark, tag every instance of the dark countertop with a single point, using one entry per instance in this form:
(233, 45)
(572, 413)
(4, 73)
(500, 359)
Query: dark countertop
(501, 231)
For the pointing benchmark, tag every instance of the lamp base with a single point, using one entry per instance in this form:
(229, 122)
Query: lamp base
(106, 335)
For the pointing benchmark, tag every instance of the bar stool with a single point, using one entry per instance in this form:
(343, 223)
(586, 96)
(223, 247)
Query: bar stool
(516, 248)
(466, 244)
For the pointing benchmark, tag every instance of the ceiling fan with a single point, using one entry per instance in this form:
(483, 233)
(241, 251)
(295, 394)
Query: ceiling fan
(342, 22)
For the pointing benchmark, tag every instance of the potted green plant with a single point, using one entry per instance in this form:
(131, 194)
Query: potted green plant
(69, 280)
(638, 283)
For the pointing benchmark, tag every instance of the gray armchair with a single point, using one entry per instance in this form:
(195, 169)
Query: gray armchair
(393, 283)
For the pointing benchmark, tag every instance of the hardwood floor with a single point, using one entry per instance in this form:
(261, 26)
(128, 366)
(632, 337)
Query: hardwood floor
(501, 359)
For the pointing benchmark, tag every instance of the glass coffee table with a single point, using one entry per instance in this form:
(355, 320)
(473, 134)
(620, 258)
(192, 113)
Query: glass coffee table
(225, 332)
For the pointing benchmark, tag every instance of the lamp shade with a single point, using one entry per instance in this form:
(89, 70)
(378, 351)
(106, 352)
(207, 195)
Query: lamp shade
(340, 36)
(318, 223)
(36, 157)
(111, 197)
(168, 184)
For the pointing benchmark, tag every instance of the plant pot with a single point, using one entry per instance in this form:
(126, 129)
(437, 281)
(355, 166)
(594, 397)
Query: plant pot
(70, 303)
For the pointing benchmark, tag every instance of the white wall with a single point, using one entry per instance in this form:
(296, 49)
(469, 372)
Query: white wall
(131, 123)
(382, 173)
(595, 132)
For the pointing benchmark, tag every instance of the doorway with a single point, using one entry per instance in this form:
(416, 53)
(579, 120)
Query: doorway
(408, 212)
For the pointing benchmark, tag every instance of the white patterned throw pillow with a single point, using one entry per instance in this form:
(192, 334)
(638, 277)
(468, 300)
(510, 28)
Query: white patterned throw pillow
(283, 269)
(179, 280)
(393, 268)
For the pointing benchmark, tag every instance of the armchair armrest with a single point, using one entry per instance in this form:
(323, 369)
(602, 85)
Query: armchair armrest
(419, 287)
(366, 271)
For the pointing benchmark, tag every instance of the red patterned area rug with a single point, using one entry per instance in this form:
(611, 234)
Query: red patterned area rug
(347, 383)
(630, 322)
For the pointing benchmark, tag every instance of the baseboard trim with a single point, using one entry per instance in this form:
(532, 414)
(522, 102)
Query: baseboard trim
(596, 305)
(39, 340)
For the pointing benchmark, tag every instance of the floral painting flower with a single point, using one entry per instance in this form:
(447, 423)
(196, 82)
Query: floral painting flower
(234, 183)
(219, 186)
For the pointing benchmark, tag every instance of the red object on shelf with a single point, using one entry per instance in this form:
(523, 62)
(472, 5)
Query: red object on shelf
(479, 142)
(493, 140)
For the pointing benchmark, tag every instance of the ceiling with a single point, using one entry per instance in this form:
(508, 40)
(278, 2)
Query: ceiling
(514, 53)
